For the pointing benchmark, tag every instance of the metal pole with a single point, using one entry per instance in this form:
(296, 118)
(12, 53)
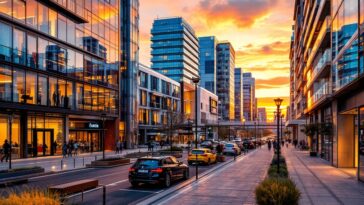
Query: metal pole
(255, 133)
(196, 128)
(104, 195)
(10, 138)
(103, 137)
(62, 164)
(278, 140)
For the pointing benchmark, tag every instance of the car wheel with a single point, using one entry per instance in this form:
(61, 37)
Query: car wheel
(134, 184)
(167, 181)
(186, 174)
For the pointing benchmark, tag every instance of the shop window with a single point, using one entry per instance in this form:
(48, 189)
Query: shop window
(5, 41)
(19, 49)
(32, 51)
(18, 86)
(5, 83)
(31, 88)
(15, 137)
(19, 10)
(42, 97)
(32, 10)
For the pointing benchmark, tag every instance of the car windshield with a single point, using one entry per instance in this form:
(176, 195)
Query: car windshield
(147, 163)
(229, 145)
(198, 152)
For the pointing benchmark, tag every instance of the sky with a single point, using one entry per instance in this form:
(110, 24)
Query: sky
(259, 30)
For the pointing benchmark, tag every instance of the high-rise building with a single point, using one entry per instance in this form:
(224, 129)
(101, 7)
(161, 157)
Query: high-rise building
(262, 114)
(239, 115)
(249, 100)
(175, 49)
(129, 46)
(225, 80)
(59, 74)
(327, 79)
(208, 62)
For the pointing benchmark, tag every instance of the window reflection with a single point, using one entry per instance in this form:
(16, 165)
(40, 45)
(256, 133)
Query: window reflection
(62, 27)
(53, 23)
(69, 98)
(19, 47)
(42, 46)
(31, 88)
(87, 97)
(32, 10)
(18, 86)
(42, 90)
(43, 18)
(79, 96)
(5, 83)
(19, 10)
(78, 73)
(5, 42)
(32, 51)
(53, 92)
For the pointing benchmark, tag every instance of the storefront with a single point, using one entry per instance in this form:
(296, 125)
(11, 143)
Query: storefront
(15, 134)
(88, 135)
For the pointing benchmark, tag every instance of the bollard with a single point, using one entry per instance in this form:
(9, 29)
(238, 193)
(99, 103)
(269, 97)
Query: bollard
(83, 161)
(82, 196)
(95, 157)
(74, 162)
(62, 164)
(104, 195)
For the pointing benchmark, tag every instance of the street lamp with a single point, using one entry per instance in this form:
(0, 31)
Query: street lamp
(103, 118)
(255, 133)
(196, 81)
(278, 102)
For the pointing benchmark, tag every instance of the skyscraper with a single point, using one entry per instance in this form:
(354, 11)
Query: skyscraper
(175, 50)
(129, 46)
(249, 96)
(59, 74)
(208, 62)
(239, 115)
(262, 114)
(225, 80)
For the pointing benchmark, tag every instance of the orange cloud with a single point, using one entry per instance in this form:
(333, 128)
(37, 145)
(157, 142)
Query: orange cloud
(242, 13)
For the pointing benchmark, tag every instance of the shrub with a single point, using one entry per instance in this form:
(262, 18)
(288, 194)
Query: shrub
(30, 197)
(277, 191)
(283, 172)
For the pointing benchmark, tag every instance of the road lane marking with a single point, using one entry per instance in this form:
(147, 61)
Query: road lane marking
(143, 191)
(118, 182)
(56, 174)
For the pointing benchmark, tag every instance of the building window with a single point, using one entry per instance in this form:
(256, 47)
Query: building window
(209, 67)
(42, 46)
(79, 96)
(5, 7)
(154, 83)
(62, 27)
(18, 86)
(19, 49)
(143, 80)
(32, 51)
(32, 13)
(5, 42)
(19, 10)
(5, 83)
(42, 97)
(69, 98)
(79, 66)
(53, 23)
(43, 21)
(143, 98)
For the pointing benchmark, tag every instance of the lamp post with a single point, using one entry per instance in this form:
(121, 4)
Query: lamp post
(103, 118)
(255, 133)
(196, 81)
(282, 116)
(278, 102)
(10, 138)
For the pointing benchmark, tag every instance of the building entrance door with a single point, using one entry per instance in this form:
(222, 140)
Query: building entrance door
(43, 142)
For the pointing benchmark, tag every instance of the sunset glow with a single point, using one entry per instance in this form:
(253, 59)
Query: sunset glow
(260, 47)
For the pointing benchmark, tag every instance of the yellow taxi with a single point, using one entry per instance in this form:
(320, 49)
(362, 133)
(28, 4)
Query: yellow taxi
(204, 155)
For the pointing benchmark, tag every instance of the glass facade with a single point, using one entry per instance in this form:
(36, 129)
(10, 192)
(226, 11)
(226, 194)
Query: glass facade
(239, 95)
(58, 54)
(207, 61)
(175, 49)
(361, 144)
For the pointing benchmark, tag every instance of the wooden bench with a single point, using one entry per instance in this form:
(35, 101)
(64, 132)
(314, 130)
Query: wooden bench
(74, 187)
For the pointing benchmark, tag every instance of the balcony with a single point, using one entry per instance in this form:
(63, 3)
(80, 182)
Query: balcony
(320, 69)
(319, 97)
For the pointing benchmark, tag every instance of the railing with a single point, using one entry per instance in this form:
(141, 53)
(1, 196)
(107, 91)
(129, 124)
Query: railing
(325, 58)
(323, 91)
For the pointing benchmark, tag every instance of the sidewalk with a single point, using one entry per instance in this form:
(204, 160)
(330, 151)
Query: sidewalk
(320, 183)
(53, 163)
(233, 184)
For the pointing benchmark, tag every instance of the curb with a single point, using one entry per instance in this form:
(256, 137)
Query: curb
(174, 189)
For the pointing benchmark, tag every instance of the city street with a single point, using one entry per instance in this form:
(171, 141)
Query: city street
(118, 188)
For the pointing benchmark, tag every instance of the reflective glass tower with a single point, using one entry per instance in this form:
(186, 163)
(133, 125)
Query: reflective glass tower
(208, 62)
(239, 95)
(175, 50)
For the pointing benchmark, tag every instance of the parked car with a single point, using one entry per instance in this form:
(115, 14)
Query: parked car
(231, 148)
(152, 170)
(204, 155)
(239, 143)
(207, 144)
(248, 144)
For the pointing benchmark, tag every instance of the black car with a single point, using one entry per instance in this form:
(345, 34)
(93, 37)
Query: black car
(153, 170)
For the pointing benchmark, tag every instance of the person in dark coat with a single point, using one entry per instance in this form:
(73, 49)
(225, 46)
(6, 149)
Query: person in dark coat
(6, 151)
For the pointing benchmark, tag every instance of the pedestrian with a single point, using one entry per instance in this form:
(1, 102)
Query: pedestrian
(6, 151)
(64, 150)
(70, 148)
(44, 147)
(117, 147)
(269, 145)
(75, 147)
(55, 146)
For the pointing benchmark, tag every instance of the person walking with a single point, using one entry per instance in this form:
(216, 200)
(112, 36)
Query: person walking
(269, 145)
(117, 147)
(6, 151)
(75, 147)
(64, 150)
(55, 146)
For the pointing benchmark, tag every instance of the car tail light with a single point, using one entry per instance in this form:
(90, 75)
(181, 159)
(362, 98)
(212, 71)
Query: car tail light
(131, 169)
(158, 170)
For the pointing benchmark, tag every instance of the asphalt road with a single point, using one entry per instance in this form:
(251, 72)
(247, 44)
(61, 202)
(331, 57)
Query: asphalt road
(118, 189)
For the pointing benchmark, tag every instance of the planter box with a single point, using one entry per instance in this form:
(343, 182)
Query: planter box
(109, 163)
(177, 154)
(18, 173)
(74, 187)
(313, 154)
(220, 158)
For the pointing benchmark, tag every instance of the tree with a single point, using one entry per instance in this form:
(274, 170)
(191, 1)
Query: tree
(172, 122)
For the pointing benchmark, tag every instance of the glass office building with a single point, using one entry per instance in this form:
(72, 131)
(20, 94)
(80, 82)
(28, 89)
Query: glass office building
(208, 62)
(239, 95)
(225, 80)
(248, 96)
(129, 46)
(175, 49)
(59, 74)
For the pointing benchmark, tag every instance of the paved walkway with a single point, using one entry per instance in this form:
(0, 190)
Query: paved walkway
(320, 183)
(58, 163)
(233, 184)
